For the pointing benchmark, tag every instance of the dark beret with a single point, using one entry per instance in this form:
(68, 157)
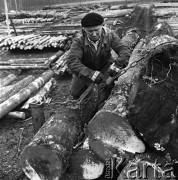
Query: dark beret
(92, 19)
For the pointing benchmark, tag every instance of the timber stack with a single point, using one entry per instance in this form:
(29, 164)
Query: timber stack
(30, 89)
(34, 41)
(32, 20)
(57, 62)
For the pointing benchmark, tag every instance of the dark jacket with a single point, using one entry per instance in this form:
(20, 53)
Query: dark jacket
(83, 59)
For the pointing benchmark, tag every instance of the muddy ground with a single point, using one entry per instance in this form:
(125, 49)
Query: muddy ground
(15, 134)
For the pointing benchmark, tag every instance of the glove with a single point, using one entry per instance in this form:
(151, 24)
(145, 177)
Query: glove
(97, 77)
(113, 70)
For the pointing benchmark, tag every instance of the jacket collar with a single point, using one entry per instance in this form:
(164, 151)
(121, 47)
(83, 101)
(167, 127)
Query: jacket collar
(102, 39)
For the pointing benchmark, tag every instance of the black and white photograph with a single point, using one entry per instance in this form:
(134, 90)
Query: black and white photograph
(88, 89)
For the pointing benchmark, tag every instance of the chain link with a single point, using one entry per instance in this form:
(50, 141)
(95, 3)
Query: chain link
(135, 63)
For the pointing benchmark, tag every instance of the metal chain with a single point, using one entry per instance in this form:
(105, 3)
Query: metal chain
(135, 63)
(132, 65)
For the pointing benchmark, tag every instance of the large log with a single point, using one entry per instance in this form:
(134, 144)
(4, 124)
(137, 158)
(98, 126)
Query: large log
(8, 91)
(114, 131)
(8, 80)
(25, 93)
(146, 92)
(54, 141)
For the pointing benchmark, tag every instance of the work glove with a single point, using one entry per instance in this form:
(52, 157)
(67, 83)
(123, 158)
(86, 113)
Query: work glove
(97, 77)
(113, 70)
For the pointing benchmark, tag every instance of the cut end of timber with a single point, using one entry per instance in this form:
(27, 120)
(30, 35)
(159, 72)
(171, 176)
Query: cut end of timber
(85, 164)
(39, 163)
(92, 170)
(101, 150)
(115, 131)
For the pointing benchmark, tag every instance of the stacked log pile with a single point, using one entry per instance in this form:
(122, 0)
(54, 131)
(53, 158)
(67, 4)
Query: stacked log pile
(37, 14)
(12, 102)
(32, 20)
(30, 89)
(23, 90)
(57, 62)
(35, 41)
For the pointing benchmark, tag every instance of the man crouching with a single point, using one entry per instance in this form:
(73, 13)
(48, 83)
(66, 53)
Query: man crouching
(90, 57)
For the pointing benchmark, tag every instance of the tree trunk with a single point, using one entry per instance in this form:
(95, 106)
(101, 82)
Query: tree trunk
(48, 153)
(8, 91)
(25, 93)
(8, 80)
(146, 94)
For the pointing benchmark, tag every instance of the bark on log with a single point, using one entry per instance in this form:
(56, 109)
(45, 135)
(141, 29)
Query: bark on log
(41, 95)
(54, 141)
(7, 92)
(146, 93)
(8, 80)
(25, 93)
(52, 144)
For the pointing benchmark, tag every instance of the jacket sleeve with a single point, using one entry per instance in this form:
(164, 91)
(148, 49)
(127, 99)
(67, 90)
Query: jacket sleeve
(123, 51)
(74, 60)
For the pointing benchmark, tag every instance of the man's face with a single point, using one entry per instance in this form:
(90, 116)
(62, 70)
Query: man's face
(93, 33)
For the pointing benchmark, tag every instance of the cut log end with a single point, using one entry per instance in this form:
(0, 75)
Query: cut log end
(102, 151)
(44, 165)
(115, 131)
(85, 164)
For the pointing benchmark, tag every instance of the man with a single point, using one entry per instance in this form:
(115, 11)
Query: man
(90, 56)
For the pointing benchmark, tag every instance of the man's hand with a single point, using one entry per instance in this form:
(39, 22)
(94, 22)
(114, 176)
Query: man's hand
(113, 70)
(97, 77)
